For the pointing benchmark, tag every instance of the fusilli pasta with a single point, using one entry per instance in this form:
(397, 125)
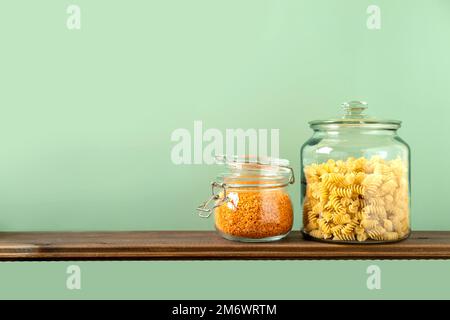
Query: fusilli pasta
(357, 199)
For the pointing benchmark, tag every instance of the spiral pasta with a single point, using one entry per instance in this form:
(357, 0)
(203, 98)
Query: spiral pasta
(357, 200)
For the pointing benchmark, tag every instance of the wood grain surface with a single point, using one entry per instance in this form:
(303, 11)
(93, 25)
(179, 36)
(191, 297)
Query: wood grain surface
(205, 245)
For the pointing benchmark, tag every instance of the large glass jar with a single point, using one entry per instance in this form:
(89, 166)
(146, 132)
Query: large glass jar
(356, 179)
(250, 200)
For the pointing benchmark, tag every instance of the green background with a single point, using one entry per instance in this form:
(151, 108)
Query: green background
(86, 118)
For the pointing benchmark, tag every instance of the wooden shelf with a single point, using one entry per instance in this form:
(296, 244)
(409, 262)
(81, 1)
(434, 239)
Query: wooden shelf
(204, 245)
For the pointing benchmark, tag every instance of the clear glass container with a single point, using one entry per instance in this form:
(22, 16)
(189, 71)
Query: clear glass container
(356, 179)
(250, 201)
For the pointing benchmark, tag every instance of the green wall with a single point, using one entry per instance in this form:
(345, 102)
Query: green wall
(86, 115)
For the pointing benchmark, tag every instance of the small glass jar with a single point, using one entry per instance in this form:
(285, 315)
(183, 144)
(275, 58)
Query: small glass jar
(250, 200)
(356, 179)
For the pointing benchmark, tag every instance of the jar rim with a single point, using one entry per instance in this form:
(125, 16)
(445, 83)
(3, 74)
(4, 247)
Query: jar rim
(360, 123)
(248, 160)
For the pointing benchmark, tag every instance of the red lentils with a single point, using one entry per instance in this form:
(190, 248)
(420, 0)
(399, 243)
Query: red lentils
(255, 213)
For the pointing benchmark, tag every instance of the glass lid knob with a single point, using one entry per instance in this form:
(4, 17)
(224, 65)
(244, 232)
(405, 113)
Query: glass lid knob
(354, 109)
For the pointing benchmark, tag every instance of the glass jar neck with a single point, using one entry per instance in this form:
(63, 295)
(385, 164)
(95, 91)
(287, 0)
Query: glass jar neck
(246, 177)
(247, 182)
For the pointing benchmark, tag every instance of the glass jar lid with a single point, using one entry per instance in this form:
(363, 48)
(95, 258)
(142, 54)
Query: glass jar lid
(354, 115)
(253, 171)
